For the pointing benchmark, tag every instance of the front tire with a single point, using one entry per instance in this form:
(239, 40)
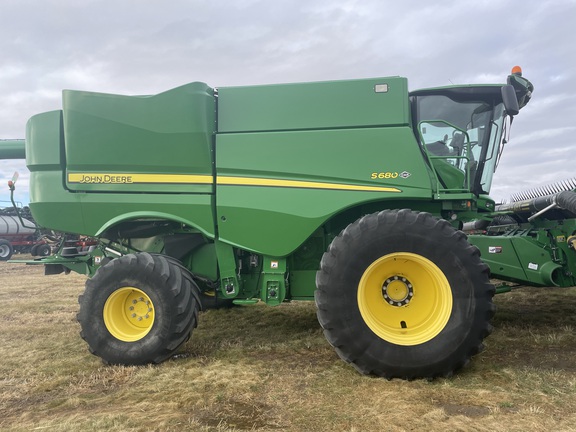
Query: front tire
(138, 309)
(402, 294)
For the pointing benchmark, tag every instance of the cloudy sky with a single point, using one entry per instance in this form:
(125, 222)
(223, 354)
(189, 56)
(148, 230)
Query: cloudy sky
(148, 46)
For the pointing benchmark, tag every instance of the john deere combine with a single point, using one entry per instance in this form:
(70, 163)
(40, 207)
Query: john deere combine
(350, 193)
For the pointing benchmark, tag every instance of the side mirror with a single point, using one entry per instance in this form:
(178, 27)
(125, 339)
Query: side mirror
(510, 100)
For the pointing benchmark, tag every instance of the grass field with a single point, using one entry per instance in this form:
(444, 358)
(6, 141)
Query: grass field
(264, 368)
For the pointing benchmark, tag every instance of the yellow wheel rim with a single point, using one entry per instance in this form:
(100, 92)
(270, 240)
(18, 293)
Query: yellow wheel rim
(405, 298)
(128, 314)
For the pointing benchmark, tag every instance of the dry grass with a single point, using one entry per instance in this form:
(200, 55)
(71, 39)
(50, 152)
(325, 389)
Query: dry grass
(262, 368)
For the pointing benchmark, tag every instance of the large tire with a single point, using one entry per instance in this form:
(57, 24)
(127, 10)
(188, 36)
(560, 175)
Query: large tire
(402, 294)
(138, 309)
(6, 250)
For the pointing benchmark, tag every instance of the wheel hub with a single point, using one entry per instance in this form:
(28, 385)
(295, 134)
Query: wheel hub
(129, 314)
(405, 298)
(397, 291)
(139, 309)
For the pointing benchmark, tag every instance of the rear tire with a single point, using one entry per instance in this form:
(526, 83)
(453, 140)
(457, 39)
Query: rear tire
(402, 294)
(138, 309)
(6, 250)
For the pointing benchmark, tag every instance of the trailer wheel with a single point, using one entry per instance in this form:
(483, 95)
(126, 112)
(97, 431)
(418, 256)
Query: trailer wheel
(138, 309)
(402, 294)
(6, 250)
(43, 250)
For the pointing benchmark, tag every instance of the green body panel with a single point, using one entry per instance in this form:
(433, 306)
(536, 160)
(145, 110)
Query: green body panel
(296, 188)
(51, 205)
(535, 256)
(140, 144)
(302, 284)
(319, 105)
(506, 258)
(204, 262)
(58, 208)
(91, 214)
(452, 177)
(44, 144)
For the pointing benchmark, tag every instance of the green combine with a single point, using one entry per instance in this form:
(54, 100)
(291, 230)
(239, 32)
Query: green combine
(354, 194)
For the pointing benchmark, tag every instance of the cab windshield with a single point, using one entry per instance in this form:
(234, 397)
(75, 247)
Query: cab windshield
(460, 132)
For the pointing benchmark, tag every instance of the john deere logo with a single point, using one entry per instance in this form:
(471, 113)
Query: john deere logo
(106, 179)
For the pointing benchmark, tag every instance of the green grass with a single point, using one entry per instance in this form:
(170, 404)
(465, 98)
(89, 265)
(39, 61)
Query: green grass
(264, 368)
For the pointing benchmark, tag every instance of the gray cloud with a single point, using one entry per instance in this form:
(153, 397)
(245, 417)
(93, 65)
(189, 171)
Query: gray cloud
(137, 47)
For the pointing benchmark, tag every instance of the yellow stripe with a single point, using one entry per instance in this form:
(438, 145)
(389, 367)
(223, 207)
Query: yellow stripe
(252, 181)
(125, 178)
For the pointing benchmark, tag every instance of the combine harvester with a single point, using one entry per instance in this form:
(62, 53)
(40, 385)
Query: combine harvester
(354, 194)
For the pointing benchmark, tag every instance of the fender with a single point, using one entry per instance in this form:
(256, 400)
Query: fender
(147, 215)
